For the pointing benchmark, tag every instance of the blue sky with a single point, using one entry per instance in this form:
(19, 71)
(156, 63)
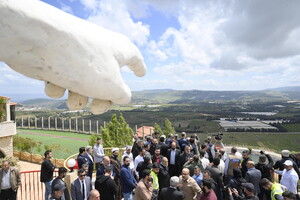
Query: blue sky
(194, 44)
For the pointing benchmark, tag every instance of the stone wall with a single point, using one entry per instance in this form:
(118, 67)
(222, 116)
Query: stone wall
(7, 130)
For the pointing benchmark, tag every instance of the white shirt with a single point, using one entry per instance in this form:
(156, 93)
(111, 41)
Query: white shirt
(5, 184)
(172, 157)
(289, 179)
(221, 166)
(98, 153)
(137, 160)
(205, 162)
(85, 196)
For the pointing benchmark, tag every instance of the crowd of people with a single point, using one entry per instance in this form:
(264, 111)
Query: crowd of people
(160, 168)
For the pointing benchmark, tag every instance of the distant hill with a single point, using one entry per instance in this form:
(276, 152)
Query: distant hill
(168, 96)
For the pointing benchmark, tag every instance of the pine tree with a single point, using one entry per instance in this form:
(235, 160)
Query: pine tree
(169, 129)
(158, 129)
(116, 133)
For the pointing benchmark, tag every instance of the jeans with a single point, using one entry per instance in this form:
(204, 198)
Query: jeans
(48, 189)
(127, 196)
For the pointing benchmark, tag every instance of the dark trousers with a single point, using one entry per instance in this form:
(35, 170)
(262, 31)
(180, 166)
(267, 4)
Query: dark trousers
(8, 194)
(173, 170)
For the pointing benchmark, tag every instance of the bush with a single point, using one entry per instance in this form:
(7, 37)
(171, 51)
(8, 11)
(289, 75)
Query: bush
(26, 144)
(13, 161)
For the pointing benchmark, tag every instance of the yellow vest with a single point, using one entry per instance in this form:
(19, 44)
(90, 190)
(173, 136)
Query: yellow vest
(155, 183)
(276, 189)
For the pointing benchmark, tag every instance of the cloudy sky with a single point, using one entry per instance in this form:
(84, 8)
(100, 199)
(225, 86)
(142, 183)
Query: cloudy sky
(195, 44)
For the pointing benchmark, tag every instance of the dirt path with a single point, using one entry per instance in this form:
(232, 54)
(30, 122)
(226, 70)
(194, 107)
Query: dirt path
(53, 136)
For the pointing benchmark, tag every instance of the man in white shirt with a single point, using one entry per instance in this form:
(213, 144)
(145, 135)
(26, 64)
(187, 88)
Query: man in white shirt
(289, 176)
(138, 159)
(204, 160)
(98, 152)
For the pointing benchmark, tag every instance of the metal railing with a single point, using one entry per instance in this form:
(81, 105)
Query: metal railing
(31, 188)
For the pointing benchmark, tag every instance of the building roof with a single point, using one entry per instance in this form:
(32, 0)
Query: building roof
(145, 131)
(6, 98)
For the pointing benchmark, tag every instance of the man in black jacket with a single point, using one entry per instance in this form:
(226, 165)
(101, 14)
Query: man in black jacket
(246, 158)
(47, 170)
(58, 181)
(81, 159)
(62, 172)
(106, 185)
(173, 156)
(265, 170)
(163, 146)
(171, 192)
(216, 175)
(163, 175)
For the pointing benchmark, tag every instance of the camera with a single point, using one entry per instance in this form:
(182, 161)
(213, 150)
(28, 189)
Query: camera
(218, 136)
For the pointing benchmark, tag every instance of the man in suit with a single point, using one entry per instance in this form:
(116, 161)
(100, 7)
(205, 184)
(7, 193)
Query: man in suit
(81, 159)
(171, 192)
(163, 175)
(90, 160)
(81, 187)
(253, 176)
(173, 156)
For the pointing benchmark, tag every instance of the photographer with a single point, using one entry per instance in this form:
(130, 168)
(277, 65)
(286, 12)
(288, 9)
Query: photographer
(218, 144)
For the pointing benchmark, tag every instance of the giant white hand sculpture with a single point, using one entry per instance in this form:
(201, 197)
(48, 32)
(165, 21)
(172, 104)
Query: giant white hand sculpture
(43, 42)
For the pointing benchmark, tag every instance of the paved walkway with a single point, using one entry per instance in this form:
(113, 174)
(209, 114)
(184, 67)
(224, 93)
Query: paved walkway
(27, 166)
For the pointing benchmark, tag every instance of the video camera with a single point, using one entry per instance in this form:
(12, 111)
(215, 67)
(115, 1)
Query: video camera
(218, 136)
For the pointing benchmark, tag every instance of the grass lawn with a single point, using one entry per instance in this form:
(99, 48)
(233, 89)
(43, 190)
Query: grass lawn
(272, 141)
(68, 146)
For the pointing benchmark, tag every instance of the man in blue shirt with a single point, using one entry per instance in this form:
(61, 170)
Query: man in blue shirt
(128, 182)
(198, 176)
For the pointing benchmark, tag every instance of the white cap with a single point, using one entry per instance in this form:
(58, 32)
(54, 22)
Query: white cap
(288, 163)
(115, 149)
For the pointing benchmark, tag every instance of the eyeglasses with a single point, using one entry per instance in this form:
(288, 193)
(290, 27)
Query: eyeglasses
(82, 175)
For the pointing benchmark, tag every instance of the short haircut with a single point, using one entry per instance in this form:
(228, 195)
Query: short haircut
(202, 153)
(125, 158)
(145, 173)
(203, 146)
(197, 167)
(207, 183)
(141, 149)
(108, 169)
(62, 170)
(246, 151)
(233, 150)
(156, 133)
(146, 146)
(98, 138)
(157, 148)
(80, 171)
(207, 172)
(81, 150)
(147, 159)
(264, 182)
(196, 158)
(155, 165)
(174, 181)
(192, 140)
(88, 148)
(216, 161)
(162, 139)
(47, 153)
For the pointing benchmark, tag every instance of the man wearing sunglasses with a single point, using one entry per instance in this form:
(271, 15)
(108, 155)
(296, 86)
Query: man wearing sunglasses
(81, 187)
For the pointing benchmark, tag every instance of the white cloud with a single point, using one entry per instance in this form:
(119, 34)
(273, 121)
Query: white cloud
(114, 15)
